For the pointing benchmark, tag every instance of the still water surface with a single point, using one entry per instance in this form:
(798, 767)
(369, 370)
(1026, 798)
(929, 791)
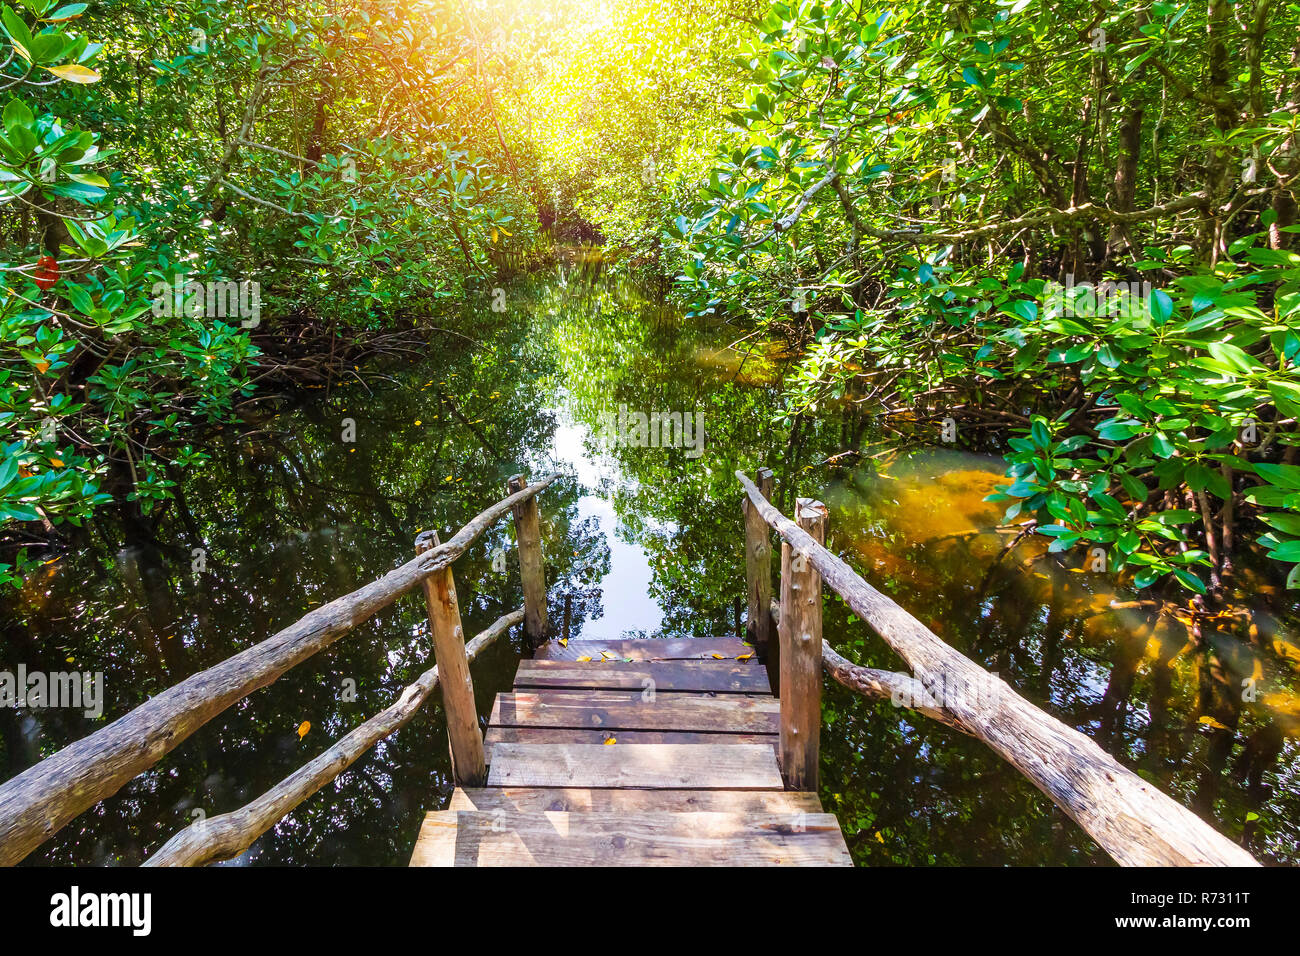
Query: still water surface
(639, 542)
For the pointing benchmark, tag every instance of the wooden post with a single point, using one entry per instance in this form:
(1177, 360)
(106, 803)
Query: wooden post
(758, 583)
(801, 653)
(468, 766)
(528, 532)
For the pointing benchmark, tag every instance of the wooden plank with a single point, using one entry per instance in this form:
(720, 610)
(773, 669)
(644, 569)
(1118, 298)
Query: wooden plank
(576, 735)
(586, 800)
(625, 710)
(652, 766)
(650, 649)
(457, 838)
(695, 676)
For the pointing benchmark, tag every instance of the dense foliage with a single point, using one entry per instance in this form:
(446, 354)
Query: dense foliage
(1068, 220)
(1056, 229)
(213, 194)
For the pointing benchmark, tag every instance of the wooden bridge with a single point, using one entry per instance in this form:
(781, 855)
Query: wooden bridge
(627, 752)
(633, 753)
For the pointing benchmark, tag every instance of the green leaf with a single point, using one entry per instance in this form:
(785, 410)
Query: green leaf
(1189, 580)
(1115, 430)
(17, 31)
(67, 12)
(1286, 551)
(1230, 355)
(79, 298)
(1286, 475)
(1286, 395)
(1160, 306)
(1290, 523)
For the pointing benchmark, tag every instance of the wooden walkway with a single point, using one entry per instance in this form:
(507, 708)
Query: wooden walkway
(627, 753)
(621, 752)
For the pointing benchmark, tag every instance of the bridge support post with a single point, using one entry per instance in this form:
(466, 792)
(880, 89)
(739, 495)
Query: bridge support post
(758, 583)
(528, 532)
(801, 653)
(468, 766)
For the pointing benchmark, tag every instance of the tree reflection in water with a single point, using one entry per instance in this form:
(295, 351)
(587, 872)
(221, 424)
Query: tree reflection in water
(640, 541)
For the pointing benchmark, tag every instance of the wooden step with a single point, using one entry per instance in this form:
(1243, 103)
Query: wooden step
(650, 649)
(574, 735)
(630, 710)
(704, 676)
(586, 800)
(649, 766)
(499, 838)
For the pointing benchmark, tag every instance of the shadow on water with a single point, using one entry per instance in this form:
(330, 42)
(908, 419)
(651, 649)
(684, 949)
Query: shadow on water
(639, 541)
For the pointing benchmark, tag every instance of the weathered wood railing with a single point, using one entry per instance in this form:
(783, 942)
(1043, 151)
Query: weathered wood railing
(38, 802)
(1133, 821)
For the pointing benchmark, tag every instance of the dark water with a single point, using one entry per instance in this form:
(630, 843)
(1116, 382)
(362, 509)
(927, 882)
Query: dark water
(638, 541)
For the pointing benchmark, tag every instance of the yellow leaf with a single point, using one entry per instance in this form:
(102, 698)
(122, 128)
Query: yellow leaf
(74, 73)
(418, 422)
(610, 740)
(719, 657)
(582, 660)
(1209, 721)
(70, 660)
(879, 837)
(564, 642)
(745, 657)
(56, 462)
(303, 728)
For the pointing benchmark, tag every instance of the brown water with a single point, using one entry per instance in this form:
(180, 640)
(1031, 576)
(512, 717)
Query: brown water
(639, 541)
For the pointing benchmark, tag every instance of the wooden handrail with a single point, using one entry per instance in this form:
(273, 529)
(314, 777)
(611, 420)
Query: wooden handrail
(902, 690)
(41, 800)
(1133, 821)
(227, 835)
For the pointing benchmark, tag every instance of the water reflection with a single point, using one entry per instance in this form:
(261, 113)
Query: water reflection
(638, 540)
